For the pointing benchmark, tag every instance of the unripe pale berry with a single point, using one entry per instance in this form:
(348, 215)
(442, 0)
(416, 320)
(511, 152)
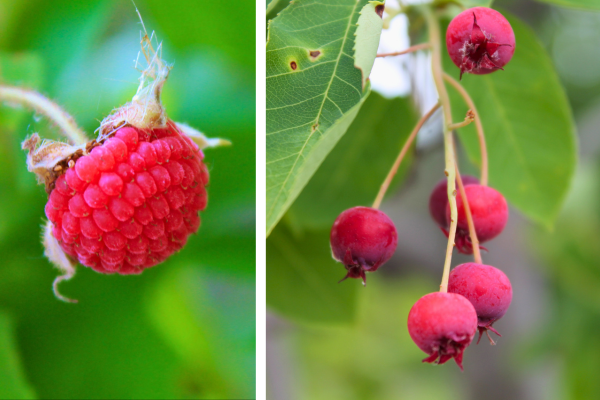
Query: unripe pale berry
(442, 325)
(480, 41)
(487, 288)
(438, 201)
(127, 205)
(363, 238)
(489, 211)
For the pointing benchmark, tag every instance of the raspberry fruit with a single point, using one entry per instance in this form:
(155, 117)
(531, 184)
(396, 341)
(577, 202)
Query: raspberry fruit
(363, 238)
(132, 202)
(442, 325)
(487, 288)
(489, 211)
(129, 199)
(438, 201)
(480, 41)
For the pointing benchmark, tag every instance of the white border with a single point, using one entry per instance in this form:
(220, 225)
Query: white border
(261, 260)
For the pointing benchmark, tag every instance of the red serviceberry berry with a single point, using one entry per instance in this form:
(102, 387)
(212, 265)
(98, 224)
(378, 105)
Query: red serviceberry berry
(442, 325)
(119, 209)
(489, 211)
(487, 288)
(438, 201)
(363, 238)
(480, 41)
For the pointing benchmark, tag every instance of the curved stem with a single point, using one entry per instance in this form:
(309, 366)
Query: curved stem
(388, 179)
(480, 135)
(450, 171)
(411, 49)
(467, 207)
(43, 105)
(468, 119)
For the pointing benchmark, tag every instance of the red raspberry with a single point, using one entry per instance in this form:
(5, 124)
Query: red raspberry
(487, 288)
(489, 211)
(442, 325)
(132, 202)
(362, 238)
(438, 201)
(480, 41)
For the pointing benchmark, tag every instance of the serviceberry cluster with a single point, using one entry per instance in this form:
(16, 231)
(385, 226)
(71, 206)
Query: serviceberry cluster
(473, 295)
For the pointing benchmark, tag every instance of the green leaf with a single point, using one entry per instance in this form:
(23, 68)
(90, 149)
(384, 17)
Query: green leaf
(580, 4)
(529, 129)
(313, 93)
(368, 33)
(353, 172)
(13, 384)
(302, 279)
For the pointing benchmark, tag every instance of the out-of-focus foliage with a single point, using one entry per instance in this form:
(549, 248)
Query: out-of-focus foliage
(185, 329)
(571, 259)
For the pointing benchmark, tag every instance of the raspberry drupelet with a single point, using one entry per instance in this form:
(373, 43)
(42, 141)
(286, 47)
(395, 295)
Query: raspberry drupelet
(131, 202)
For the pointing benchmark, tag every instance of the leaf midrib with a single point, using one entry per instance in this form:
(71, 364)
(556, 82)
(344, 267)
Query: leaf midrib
(326, 94)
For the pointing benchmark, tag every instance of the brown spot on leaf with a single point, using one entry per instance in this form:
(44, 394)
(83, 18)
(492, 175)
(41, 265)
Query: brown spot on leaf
(314, 127)
(314, 54)
(293, 65)
(379, 10)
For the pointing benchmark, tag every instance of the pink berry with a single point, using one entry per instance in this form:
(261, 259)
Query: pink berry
(124, 207)
(489, 211)
(480, 41)
(442, 325)
(363, 239)
(438, 201)
(487, 288)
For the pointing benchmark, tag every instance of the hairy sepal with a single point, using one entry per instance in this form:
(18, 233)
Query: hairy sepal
(57, 256)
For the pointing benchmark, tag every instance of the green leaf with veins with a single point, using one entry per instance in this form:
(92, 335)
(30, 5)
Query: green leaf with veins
(368, 33)
(302, 279)
(529, 128)
(313, 93)
(353, 172)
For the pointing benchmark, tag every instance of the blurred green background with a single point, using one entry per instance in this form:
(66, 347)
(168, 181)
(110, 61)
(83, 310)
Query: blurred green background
(549, 348)
(185, 329)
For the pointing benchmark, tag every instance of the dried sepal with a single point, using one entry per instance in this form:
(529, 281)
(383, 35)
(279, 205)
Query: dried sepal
(145, 110)
(57, 256)
(199, 138)
(49, 159)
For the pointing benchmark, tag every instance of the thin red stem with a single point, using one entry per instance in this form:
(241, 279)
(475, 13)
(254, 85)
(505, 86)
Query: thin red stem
(390, 176)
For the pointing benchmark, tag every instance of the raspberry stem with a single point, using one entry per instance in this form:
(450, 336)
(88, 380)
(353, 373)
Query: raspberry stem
(411, 49)
(450, 171)
(388, 179)
(480, 135)
(43, 105)
(472, 232)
